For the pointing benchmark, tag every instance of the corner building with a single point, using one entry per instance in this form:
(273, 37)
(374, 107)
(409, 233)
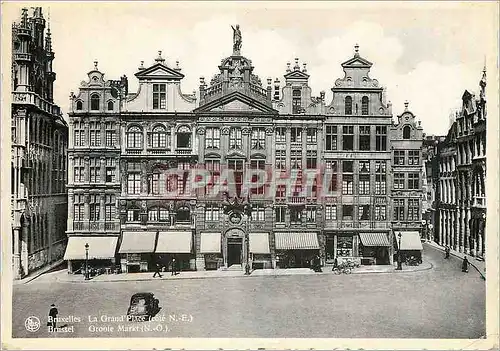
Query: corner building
(135, 201)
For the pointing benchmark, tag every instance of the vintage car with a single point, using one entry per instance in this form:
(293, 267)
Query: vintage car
(142, 307)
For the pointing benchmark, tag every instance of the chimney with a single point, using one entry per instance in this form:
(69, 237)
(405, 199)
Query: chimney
(276, 89)
(269, 88)
(322, 95)
(202, 87)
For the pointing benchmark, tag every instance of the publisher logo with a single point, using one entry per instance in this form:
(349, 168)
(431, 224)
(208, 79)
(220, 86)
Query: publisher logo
(32, 324)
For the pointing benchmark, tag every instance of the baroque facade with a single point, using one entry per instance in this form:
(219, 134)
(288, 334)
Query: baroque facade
(39, 144)
(237, 173)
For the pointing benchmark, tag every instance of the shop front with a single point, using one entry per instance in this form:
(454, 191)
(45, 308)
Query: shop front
(210, 247)
(260, 254)
(295, 250)
(98, 252)
(347, 248)
(136, 251)
(178, 245)
(411, 246)
(374, 248)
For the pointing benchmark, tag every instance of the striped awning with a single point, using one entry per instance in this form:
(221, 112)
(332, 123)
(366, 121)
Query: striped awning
(259, 243)
(137, 242)
(374, 239)
(210, 243)
(409, 240)
(296, 241)
(174, 242)
(100, 247)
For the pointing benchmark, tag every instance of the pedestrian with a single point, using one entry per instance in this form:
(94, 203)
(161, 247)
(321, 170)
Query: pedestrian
(173, 266)
(335, 263)
(157, 270)
(447, 252)
(465, 265)
(53, 312)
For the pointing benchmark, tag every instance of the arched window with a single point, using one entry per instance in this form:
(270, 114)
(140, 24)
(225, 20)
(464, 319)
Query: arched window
(111, 106)
(183, 214)
(364, 105)
(159, 137)
(79, 105)
(406, 132)
(134, 137)
(296, 101)
(94, 102)
(184, 137)
(348, 105)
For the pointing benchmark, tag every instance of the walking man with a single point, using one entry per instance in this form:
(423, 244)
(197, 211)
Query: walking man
(53, 312)
(447, 252)
(157, 270)
(174, 272)
(465, 265)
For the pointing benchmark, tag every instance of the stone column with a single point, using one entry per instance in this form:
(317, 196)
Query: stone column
(102, 170)
(461, 229)
(467, 231)
(24, 258)
(17, 251)
(71, 210)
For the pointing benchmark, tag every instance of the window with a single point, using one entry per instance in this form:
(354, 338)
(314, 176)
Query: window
(364, 105)
(94, 102)
(109, 207)
(344, 246)
(332, 167)
(133, 214)
(183, 215)
(95, 208)
(348, 105)
(79, 105)
(95, 134)
(281, 190)
(296, 101)
(235, 138)
(134, 183)
(364, 138)
(111, 105)
(258, 213)
(280, 160)
(280, 213)
(134, 137)
(413, 157)
(399, 157)
(159, 96)
(163, 215)
(347, 137)
(381, 138)
(331, 212)
(347, 178)
(331, 138)
(311, 159)
(280, 134)
(380, 178)
(110, 134)
(311, 136)
(110, 170)
(257, 164)
(95, 170)
(413, 181)
(157, 183)
(183, 184)
(296, 159)
(258, 139)
(213, 166)
(79, 170)
(79, 207)
(295, 215)
(184, 137)
(237, 167)
(212, 138)
(399, 209)
(79, 130)
(159, 137)
(212, 213)
(347, 212)
(406, 132)
(364, 177)
(153, 214)
(296, 135)
(399, 180)
(310, 214)
(380, 212)
(364, 212)
(413, 210)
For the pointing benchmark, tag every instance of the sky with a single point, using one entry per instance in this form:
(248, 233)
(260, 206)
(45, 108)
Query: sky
(425, 53)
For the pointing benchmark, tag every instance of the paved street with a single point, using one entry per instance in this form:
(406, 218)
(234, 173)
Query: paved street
(441, 302)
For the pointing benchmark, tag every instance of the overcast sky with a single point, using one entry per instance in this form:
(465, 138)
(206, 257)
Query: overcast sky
(425, 53)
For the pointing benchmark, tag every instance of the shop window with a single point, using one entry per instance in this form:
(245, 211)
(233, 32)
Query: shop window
(344, 246)
(348, 138)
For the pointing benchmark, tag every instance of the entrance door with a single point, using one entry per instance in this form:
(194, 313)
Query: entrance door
(233, 252)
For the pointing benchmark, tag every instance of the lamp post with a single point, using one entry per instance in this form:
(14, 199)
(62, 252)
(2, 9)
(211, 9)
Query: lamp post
(399, 268)
(248, 212)
(87, 261)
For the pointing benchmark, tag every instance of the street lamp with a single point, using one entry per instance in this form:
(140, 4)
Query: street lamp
(248, 212)
(399, 268)
(87, 261)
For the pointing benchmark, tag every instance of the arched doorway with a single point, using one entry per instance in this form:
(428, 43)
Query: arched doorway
(234, 253)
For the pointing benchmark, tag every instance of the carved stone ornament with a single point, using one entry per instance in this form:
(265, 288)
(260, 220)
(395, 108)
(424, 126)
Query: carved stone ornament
(245, 130)
(225, 130)
(201, 131)
(269, 130)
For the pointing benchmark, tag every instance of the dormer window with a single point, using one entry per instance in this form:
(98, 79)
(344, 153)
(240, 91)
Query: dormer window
(159, 96)
(94, 102)
(296, 101)
(79, 105)
(110, 106)
(348, 105)
(183, 137)
(364, 105)
(406, 132)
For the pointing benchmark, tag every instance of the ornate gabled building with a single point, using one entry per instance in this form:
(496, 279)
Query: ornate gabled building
(39, 143)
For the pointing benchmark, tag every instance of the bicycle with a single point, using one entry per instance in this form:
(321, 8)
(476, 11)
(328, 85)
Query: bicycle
(342, 269)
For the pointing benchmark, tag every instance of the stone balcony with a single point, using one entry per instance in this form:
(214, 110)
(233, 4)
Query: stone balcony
(479, 202)
(30, 98)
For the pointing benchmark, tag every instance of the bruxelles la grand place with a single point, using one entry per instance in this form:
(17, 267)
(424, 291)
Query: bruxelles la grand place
(133, 178)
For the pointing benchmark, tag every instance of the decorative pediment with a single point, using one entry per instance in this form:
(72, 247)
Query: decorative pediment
(236, 102)
(159, 71)
(357, 62)
(297, 75)
(236, 155)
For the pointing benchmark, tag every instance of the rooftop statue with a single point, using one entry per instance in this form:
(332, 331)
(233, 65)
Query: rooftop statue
(236, 40)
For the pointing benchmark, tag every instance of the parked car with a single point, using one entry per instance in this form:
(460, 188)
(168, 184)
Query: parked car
(142, 307)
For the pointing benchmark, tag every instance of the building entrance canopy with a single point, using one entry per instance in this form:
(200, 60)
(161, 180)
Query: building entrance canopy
(259, 243)
(137, 242)
(410, 241)
(174, 242)
(99, 247)
(374, 239)
(297, 241)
